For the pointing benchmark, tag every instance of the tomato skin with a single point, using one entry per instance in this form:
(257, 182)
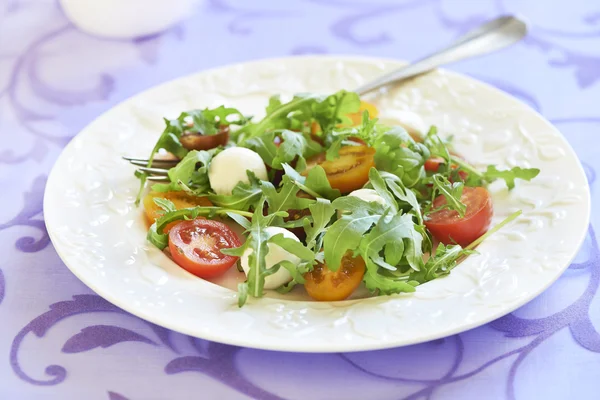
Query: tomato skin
(179, 198)
(325, 285)
(348, 172)
(447, 226)
(364, 106)
(196, 141)
(433, 164)
(195, 246)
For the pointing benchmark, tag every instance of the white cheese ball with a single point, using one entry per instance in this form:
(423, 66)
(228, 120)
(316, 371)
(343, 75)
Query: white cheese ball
(275, 255)
(368, 195)
(229, 167)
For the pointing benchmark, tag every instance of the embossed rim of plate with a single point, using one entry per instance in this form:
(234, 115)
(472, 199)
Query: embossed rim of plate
(464, 300)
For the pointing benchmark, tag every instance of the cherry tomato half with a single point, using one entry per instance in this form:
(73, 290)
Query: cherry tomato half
(433, 164)
(348, 172)
(179, 198)
(195, 246)
(364, 106)
(324, 285)
(196, 141)
(448, 227)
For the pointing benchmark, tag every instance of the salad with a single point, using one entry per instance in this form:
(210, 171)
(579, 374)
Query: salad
(328, 198)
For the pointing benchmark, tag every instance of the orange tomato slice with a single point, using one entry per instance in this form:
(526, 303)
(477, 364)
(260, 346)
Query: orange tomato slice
(323, 284)
(348, 172)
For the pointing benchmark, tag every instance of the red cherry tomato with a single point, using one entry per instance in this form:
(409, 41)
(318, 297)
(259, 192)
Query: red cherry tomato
(448, 227)
(195, 246)
(196, 141)
(433, 164)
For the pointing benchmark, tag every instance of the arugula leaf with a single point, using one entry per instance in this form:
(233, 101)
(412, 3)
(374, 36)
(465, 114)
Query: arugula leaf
(451, 191)
(408, 199)
(242, 293)
(385, 285)
(509, 176)
(334, 109)
(321, 213)
(192, 171)
(399, 154)
(436, 145)
(350, 204)
(257, 241)
(315, 183)
(245, 195)
(294, 146)
(292, 246)
(380, 187)
(285, 199)
(393, 237)
(291, 115)
(165, 204)
(316, 180)
(443, 259)
(345, 234)
(208, 121)
(264, 145)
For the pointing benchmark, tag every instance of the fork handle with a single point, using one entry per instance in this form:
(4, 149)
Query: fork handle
(489, 37)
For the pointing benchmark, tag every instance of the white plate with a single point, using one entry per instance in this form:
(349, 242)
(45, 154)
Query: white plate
(100, 234)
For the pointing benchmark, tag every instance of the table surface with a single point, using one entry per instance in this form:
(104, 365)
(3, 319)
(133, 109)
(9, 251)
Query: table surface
(60, 341)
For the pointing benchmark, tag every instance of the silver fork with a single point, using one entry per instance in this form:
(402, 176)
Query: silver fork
(489, 37)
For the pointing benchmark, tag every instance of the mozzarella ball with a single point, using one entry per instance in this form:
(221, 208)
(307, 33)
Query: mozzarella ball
(366, 195)
(229, 167)
(275, 255)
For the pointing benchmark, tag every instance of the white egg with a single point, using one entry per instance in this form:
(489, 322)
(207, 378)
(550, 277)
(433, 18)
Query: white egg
(126, 19)
(366, 195)
(409, 120)
(275, 255)
(229, 167)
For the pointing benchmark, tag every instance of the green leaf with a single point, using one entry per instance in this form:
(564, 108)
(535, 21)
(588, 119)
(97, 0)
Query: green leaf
(265, 146)
(351, 204)
(292, 246)
(408, 199)
(436, 145)
(399, 154)
(345, 235)
(316, 180)
(242, 221)
(334, 109)
(334, 149)
(165, 204)
(242, 293)
(244, 196)
(257, 242)
(321, 213)
(285, 199)
(452, 192)
(315, 183)
(381, 188)
(385, 285)
(291, 115)
(208, 121)
(400, 228)
(509, 176)
(443, 259)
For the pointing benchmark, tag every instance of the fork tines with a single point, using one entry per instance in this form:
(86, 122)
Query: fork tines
(159, 170)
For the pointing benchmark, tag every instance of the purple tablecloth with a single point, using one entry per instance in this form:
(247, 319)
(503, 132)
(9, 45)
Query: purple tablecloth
(58, 340)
